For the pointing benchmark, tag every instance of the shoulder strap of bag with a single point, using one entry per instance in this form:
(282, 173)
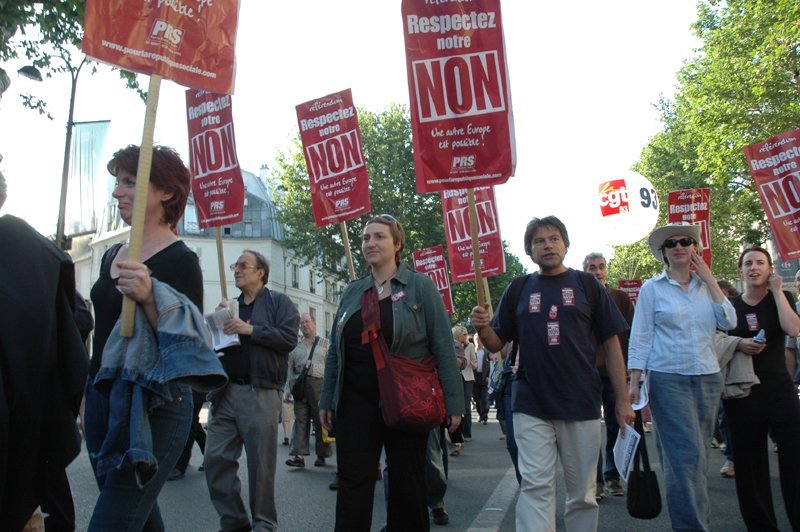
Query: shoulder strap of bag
(641, 448)
(311, 351)
(371, 316)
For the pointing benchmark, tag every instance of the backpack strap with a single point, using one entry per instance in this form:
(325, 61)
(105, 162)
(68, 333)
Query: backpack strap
(512, 299)
(591, 287)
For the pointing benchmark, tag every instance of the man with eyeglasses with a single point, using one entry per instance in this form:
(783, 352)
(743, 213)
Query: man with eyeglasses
(247, 411)
(608, 479)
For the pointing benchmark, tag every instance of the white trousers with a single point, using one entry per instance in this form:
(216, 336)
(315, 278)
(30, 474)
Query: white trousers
(541, 443)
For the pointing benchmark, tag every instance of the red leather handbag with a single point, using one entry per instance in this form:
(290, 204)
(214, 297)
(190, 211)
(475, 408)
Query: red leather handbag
(411, 394)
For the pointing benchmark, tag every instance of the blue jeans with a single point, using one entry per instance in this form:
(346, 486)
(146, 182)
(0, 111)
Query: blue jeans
(612, 430)
(684, 408)
(511, 443)
(123, 505)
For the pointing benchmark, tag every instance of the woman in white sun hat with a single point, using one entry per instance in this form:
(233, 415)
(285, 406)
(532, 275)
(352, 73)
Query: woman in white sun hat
(677, 315)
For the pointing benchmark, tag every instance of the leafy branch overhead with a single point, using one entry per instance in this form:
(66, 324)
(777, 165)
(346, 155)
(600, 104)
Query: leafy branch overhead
(742, 87)
(49, 35)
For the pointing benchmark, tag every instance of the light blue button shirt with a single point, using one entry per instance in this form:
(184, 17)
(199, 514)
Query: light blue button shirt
(672, 330)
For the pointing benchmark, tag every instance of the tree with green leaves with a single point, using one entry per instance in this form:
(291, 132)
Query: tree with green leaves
(742, 87)
(386, 139)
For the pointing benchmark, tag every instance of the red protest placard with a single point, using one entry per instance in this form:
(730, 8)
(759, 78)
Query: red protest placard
(337, 171)
(463, 127)
(631, 287)
(459, 236)
(693, 206)
(217, 184)
(430, 261)
(774, 165)
(190, 42)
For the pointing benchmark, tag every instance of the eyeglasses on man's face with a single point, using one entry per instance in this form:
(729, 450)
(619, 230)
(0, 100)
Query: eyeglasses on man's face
(241, 266)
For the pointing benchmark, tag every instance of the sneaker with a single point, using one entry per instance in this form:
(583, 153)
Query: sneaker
(503, 437)
(727, 470)
(599, 493)
(615, 489)
(440, 516)
(335, 484)
(319, 462)
(286, 441)
(297, 461)
(176, 474)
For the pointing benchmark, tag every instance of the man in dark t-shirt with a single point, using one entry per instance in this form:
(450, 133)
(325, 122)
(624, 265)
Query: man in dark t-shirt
(556, 396)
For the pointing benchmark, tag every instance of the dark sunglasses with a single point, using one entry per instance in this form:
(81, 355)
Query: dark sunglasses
(684, 242)
(388, 217)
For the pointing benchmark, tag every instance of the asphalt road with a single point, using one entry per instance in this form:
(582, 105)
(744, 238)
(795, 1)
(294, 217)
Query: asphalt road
(481, 495)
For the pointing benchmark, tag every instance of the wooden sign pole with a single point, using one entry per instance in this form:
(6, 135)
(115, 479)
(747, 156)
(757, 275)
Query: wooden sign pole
(347, 252)
(223, 284)
(476, 250)
(140, 201)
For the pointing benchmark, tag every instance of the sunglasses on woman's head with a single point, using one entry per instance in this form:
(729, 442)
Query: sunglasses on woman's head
(388, 217)
(684, 242)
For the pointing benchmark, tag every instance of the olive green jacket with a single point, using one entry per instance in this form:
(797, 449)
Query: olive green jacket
(421, 329)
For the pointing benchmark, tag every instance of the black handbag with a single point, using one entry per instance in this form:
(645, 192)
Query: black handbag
(644, 497)
(299, 388)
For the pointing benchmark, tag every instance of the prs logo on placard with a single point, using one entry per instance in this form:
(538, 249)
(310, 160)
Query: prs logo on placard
(463, 163)
(342, 203)
(613, 197)
(166, 34)
(217, 206)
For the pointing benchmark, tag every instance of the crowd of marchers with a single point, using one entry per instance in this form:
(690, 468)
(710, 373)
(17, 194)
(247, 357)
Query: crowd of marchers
(563, 351)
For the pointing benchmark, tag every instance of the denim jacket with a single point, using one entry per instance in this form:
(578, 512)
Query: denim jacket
(421, 329)
(137, 371)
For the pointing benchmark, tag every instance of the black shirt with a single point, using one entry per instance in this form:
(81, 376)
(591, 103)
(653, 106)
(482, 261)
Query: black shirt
(237, 357)
(764, 315)
(175, 265)
(360, 372)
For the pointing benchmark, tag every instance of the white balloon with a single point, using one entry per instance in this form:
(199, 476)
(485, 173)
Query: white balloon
(627, 208)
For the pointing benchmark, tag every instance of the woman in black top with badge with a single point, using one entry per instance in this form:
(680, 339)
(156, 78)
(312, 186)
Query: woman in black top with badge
(771, 404)
(123, 504)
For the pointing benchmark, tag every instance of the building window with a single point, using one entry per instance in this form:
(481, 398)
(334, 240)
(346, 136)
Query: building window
(328, 294)
(311, 285)
(190, 224)
(248, 230)
(226, 231)
(246, 202)
(313, 313)
(327, 324)
(295, 276)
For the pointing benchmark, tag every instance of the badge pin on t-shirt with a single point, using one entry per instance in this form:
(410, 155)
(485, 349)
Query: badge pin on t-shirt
(553, 312)
(553, 333)
(568, 296)
(535, 303)
(752, 322)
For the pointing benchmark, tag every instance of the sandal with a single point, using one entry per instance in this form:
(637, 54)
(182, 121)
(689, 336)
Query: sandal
(457, 452)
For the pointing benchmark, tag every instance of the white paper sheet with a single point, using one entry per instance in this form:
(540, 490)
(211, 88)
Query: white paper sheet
(216, 322)
(644, 394)
(624, 451)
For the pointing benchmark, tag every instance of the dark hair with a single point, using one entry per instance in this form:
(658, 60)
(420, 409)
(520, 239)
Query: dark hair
(395, 229)
(537, 223)
(3, 189)
(167, 173)
(725, 286)
(754, 247)
(261, 264)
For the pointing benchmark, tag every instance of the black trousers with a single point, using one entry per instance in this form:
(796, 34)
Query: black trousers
(771, 404)
(480, 394)
(360, 435)
(57, 502)
(196, 434)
